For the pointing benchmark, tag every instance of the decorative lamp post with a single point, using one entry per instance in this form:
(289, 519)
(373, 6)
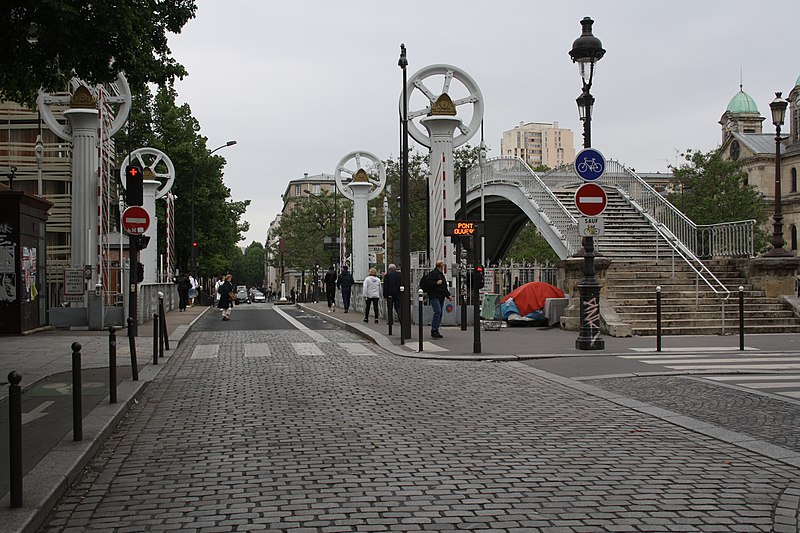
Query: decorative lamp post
(405, 230)
(778, 108)
(586, 51)
(194, 198)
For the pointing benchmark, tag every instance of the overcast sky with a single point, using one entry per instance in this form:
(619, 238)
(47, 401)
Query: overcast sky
(301, 83)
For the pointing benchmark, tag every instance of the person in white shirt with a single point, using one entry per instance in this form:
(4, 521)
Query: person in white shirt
(372, 293)
(192, 289)
(219, 282)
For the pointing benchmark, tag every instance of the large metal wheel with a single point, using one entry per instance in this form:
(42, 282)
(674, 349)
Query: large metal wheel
(157, 161)
(117, 94)
(465, 94)
(351, 163)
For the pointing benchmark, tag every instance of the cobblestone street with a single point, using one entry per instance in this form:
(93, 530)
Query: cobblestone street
(261, 432)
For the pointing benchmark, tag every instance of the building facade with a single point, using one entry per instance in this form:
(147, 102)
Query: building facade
(539, 144)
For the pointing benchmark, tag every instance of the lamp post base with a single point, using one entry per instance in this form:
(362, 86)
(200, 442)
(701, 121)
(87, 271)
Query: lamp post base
(589, 337)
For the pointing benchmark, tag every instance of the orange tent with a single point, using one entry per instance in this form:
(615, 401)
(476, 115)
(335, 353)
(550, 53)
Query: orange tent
(531, 296)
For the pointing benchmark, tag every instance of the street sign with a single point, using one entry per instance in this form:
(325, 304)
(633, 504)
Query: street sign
(135, 220)
(74, 285)
(463, 228)
(590, 164)
(591, 226)
(590, 199)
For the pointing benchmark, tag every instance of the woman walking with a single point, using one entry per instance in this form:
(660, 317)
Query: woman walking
(372, 293)
(225, 301)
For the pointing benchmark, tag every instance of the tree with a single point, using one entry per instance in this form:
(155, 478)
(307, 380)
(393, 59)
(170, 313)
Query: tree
(531, 247)
(249, 269)
(710, 189)
(46, 42)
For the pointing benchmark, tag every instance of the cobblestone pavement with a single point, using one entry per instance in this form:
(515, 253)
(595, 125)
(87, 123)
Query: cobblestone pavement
(337, 440)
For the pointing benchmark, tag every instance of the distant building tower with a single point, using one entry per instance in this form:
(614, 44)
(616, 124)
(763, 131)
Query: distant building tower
(741, 116)
(539, 143)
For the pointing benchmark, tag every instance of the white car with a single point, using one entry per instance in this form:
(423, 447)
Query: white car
(257, 296)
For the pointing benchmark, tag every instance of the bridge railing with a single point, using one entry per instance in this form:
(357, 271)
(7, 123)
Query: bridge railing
(514, 171)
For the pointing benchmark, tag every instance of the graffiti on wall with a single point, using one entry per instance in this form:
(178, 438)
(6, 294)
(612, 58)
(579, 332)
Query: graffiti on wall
(8, 276)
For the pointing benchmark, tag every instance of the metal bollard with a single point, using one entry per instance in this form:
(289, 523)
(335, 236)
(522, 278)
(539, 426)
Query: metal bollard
(420, 293)
(389, 313)
(402, 310)
(163, 316)
(112, 365)
(132, 345)
(15, 437)
(741, 318)
(155, 338)
(658, 318)
(77, 399)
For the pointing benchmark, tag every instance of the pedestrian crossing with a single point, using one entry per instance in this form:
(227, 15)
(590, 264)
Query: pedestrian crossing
(773, 372)
(264, 349)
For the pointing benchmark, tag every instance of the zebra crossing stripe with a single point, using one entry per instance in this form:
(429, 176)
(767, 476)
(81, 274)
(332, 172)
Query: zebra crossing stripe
(760, 377)
(306, 348)
(356, 348)
(205, 351)
(736, 367)
(257, 349)
(717, 360)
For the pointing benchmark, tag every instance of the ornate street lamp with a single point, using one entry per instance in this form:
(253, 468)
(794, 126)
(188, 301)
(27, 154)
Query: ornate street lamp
(586, 51)
(194, 179)
(405, 230)
(778, 108)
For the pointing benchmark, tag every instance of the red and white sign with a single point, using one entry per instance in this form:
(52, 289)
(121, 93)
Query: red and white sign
(135, 220)
(590, 199)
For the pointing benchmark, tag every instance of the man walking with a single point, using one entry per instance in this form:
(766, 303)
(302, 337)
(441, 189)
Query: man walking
(330, 288)
(345, 283)
(391, 288)
(435, 284)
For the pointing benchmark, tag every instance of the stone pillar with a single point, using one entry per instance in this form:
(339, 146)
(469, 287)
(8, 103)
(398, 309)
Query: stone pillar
(84, 249)
(361, 188)
(149, 256)
(776, 276)
(441, 187)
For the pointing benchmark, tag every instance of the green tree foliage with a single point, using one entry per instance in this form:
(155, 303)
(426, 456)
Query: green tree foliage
(709, 190)
(531, 247)
(249, 269)
(46, 42)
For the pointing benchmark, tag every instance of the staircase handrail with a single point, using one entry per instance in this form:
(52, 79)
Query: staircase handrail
(514, 171)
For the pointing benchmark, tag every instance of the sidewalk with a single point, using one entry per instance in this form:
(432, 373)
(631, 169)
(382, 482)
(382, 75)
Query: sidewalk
(519, 343)
(48, 353)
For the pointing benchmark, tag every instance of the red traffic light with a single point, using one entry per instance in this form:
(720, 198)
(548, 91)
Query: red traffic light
(194, 244)
(479, 269)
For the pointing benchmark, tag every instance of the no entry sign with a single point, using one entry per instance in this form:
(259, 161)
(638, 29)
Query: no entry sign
(135, 220)
(590, 199)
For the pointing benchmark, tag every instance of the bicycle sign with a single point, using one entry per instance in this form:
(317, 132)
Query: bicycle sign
(590, 164)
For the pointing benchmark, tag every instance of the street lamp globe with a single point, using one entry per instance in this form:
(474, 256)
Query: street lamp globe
(586, 51)
(778, 109)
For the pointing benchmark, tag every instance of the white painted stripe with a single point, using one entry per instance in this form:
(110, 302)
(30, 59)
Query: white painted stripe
(356, 348)
(306, 348)
(773, 385)
(205, 351)
(257, 349)
(693, 349)
(722, 360)
(735, 367)
(760, 377)
(791, 394)
(591, 199)
(313, 334)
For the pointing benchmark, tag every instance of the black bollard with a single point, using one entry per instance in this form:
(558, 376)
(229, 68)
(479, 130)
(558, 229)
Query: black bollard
(15, 437)
(658, 318)
(163, 316)
(155, 338)
(132, 345)
(741, 318)
(402, 307)
(77, 399)
(420, 319)
(464, 311)
(112, 365)
(389, 313)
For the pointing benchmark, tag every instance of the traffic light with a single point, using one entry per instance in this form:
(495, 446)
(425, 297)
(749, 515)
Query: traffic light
(142, 241)
(194, 245)
(479, 276)
(134, 185)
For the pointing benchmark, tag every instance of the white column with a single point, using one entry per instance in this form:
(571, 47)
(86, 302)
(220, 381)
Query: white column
(84, 250)
(360, 265)
(149, 256)
(441, 186)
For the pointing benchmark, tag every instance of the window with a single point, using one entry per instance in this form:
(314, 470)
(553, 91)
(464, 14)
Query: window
(793, 232)
(315, 188)
(298, 190)
(794, 179)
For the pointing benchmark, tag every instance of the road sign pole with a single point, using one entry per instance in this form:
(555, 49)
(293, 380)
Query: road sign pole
(133, 257)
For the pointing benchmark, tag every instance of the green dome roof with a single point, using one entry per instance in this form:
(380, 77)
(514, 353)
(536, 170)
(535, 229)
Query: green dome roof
(742, 103)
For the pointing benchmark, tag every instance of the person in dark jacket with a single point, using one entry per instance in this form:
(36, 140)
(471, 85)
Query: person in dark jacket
(225, 302)
(183, 291)
(435, 284)
(345, 283)
(330, 288)
(391, 288)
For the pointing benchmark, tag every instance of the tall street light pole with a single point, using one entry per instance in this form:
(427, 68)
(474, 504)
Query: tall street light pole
(586, 51)
(778, 108)
(405, 230)
(194, 198)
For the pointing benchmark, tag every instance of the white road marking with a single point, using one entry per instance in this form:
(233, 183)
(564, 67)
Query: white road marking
(257, 349)
(313, 334)
(760, 377)
(205, 351)
(36, 412)
(356, 348)
(692, 349)
(685, 360)
(306, 348)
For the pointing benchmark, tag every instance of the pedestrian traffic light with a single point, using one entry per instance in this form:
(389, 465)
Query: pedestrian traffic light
(479, 276)
(142, 241)
(134, 186)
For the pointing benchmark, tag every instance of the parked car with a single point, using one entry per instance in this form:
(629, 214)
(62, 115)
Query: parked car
(241, 296)
(256, 296)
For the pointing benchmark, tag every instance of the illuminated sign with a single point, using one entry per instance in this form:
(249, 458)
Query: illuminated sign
(463, 228)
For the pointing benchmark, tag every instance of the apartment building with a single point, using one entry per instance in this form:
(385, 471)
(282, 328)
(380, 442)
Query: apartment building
(539, 143)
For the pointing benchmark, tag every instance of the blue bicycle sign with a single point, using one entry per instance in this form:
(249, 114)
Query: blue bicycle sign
(590, 164)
